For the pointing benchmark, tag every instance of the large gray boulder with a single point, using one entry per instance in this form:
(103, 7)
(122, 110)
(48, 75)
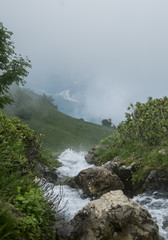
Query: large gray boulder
(96, 181)
(91, 157)
(112, 217)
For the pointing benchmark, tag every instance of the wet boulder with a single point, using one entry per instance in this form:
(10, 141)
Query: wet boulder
(112, 217)
(96, 181)
(91, 157)
(156, 180)
(124, 173)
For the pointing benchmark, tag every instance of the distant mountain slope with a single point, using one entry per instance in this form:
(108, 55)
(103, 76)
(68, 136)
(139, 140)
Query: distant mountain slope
(56, 129)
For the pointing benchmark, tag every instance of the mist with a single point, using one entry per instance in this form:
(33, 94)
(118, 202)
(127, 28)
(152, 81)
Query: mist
(106, 53)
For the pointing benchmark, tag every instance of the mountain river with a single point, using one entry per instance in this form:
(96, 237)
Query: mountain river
(73, 200)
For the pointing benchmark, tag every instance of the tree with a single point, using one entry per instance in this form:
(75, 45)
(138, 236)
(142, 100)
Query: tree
(107, 122)
(13, 67)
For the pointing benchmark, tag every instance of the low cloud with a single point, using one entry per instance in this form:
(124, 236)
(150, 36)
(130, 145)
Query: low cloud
(107, 53)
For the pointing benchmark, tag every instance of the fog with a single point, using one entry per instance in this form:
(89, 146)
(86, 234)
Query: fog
(106, 54)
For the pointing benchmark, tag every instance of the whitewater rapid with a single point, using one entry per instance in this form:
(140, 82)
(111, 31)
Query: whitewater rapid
(157, 205)
(73, 200)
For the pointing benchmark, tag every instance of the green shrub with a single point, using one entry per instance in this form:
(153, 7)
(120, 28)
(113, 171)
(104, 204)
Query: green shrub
(146, 122)
(31, 216)
(143, 137)
(8, 222)
(19, 146)
(35, 222)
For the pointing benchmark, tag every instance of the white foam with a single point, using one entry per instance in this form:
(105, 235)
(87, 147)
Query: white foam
(73, 162)
(157, 206)
(72, 199)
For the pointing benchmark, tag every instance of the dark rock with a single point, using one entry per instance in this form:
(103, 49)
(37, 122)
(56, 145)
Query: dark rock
(156, 180)
(112, 217)
(96, 181)
(91, 157)
(124, 173)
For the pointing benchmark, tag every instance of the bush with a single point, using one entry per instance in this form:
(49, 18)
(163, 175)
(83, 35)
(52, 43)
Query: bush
(31, 215)
(35, 223)
(146, 122)
(142, 138)
(8, 222)
(19, 146)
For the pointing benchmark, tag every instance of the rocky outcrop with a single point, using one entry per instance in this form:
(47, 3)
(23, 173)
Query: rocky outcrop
(92, 157)
(96, 181)
(124, 173)
(155, 180)
(112, 217)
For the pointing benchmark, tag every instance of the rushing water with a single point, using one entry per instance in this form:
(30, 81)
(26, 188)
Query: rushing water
(73, 200)
(73, 162)
(157, 204)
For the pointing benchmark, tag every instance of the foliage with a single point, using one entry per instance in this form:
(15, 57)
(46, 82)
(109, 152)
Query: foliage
(152, 160)
(50, 159)
(8, 222)
(34, 208)
(146, 122)
(25, 213)
(19, 146)
(107, 122)
(12, 66)
(141, 139)
(20, 150)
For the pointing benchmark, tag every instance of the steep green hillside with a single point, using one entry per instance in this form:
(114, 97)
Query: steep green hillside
(56, 130)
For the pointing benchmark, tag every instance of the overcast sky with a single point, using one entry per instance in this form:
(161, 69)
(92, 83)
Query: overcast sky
(108, 53)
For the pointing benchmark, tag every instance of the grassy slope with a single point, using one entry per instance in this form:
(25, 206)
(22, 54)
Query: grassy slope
(59, 130)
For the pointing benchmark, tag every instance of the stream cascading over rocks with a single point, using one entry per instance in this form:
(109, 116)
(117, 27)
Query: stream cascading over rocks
(157, 205)
(74, 200)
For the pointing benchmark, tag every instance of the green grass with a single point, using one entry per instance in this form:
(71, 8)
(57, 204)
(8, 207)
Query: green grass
(59, 131)
(146, 158)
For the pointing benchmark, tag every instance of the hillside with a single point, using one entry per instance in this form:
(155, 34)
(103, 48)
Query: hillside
(140, 143)
(56, 130)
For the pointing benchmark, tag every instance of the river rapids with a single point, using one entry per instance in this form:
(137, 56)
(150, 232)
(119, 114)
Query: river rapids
(72, 200)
